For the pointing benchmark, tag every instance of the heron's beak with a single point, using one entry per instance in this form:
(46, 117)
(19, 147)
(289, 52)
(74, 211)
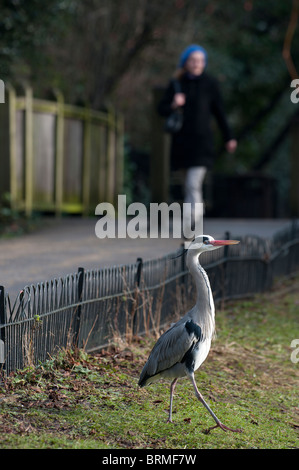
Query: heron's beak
(224, 242)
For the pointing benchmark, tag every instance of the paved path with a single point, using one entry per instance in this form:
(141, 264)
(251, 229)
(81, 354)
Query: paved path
(60, 246)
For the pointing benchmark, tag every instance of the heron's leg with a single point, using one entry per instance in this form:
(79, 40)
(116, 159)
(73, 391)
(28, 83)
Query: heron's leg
(172, 387)
(201, 399)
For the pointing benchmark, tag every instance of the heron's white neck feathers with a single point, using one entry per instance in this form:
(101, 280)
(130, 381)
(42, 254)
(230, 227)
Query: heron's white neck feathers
(204, 310)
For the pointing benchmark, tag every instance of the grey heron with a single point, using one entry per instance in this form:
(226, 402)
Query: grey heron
(181, 350)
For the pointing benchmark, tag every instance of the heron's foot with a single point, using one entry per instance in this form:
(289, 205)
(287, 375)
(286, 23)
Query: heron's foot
(169, 420)
(223, 427)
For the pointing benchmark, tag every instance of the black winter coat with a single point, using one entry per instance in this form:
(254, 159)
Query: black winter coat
(193, 145)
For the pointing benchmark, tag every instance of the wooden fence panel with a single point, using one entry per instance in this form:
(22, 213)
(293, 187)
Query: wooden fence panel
(72, 165)
(97, 163)
(44, 128)
(19, 176)
(59, 158)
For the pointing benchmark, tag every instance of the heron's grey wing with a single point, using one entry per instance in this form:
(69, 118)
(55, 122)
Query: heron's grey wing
(169, 349)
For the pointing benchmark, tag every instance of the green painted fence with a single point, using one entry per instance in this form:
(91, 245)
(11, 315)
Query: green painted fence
(56, 157)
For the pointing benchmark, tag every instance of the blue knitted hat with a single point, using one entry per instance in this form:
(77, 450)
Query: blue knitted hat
(189, 50)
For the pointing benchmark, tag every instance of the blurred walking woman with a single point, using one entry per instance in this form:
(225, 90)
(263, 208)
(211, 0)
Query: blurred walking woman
(199, 98)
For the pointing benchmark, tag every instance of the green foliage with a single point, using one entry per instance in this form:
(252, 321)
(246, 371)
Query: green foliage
(99, 53)
(26, 28)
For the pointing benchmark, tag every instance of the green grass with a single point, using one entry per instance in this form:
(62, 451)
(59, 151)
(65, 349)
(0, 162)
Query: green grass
(78, 401)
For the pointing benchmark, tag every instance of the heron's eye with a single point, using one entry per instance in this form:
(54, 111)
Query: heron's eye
(206, 242)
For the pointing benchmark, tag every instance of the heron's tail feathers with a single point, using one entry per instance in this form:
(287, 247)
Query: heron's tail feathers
(143, 380)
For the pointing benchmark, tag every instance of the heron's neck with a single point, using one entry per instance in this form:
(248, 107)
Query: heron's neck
(204, 308)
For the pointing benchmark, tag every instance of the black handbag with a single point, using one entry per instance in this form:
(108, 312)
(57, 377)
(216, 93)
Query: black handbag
(174, 121)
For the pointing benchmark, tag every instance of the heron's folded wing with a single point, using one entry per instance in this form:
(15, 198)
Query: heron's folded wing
(169, 349)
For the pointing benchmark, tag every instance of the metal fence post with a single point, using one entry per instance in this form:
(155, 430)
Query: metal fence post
(224, 282)
(139, 263)
(183, 258)
(2, 322)
(78, 309)
(226, 237)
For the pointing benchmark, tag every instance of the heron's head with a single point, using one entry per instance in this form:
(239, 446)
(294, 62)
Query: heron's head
(203, 243)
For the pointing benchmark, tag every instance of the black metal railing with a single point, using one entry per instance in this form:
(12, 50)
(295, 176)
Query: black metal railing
(93, 308)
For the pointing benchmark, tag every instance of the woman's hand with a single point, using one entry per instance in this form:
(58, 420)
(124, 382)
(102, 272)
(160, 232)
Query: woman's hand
(231, 145)
(179, 99)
